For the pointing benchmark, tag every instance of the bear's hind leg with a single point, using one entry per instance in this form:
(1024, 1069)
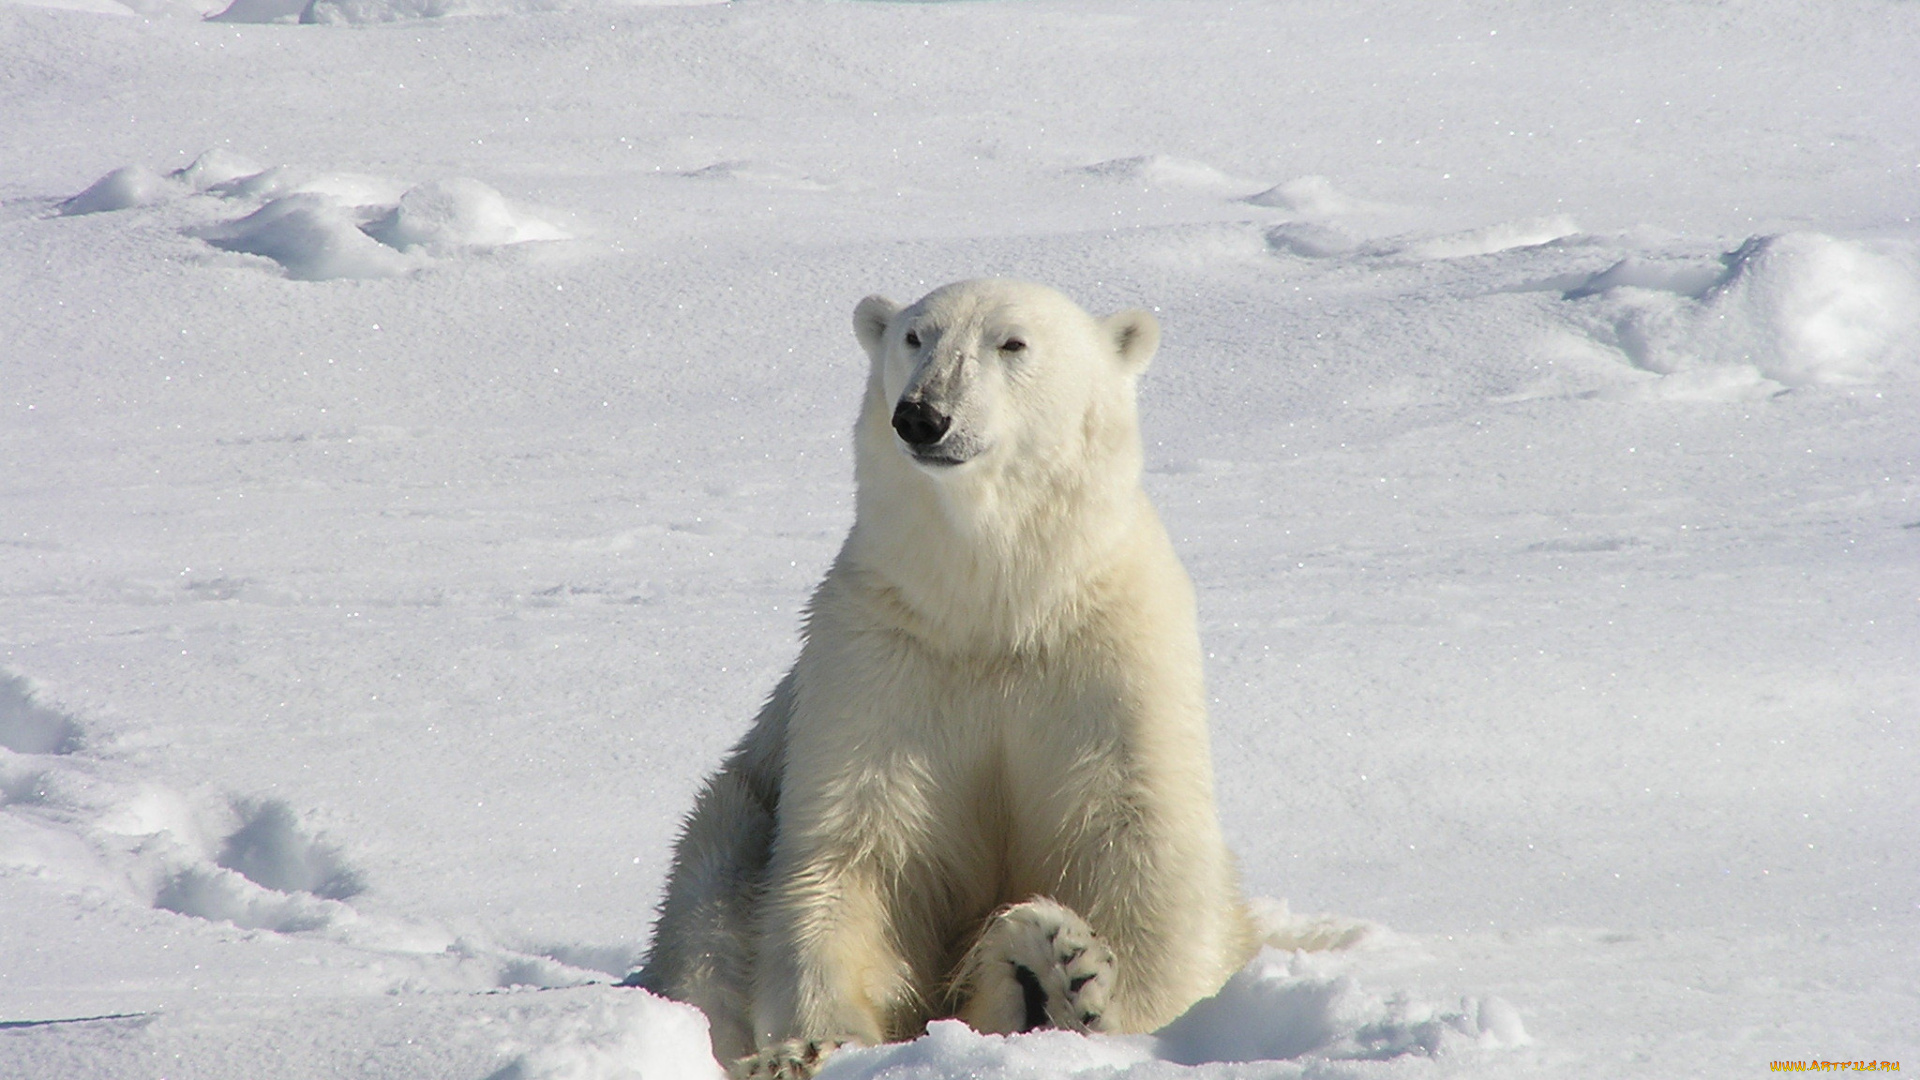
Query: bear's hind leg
(703, 942)
(1037, 964)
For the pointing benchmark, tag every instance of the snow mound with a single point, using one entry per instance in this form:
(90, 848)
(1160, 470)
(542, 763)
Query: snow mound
(312, 237)
(131, 186)
(1172, 173)
(447, 215)
(1281, 1007)
(319, 233)
(321, 227)
(1780, 312)
(951, 1049)
(621, 1034)
(27, 727)
(122, 189)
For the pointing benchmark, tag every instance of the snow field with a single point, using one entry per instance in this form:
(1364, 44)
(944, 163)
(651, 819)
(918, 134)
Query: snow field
(384, 561)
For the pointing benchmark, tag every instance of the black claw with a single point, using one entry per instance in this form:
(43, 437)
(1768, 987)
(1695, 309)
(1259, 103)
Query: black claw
(1035, 998)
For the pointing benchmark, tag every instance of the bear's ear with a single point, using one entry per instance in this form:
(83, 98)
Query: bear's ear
(870, 319)
(1135, 335)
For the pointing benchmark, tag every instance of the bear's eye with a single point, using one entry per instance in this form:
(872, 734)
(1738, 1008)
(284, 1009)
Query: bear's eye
(913, 340)
(1014, 345)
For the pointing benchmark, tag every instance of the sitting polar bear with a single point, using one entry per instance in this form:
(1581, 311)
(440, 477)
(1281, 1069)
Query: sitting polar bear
(984, 791)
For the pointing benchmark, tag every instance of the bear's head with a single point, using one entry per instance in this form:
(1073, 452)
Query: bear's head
(1002, 377)
(997, 458)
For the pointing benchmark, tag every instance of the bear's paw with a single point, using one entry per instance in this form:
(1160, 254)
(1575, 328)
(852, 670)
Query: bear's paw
(1038, 965)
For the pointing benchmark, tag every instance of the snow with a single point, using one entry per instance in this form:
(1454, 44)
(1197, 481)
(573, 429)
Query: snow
(326, 226)
(423, 423)
(1787, 310)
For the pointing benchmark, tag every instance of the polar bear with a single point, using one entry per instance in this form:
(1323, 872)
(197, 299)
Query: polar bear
(984, 790)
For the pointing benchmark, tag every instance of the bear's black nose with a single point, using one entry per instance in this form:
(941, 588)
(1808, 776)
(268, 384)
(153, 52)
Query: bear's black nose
(920, 424)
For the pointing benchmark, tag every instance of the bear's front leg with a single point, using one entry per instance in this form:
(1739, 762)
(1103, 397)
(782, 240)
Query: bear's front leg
(828, 973)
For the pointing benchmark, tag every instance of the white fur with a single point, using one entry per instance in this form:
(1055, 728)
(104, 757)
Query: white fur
(999, 698)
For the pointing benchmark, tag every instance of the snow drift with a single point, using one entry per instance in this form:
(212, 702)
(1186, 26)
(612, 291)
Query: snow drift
(1779, 312)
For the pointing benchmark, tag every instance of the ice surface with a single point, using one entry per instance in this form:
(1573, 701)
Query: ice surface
(418, 439)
